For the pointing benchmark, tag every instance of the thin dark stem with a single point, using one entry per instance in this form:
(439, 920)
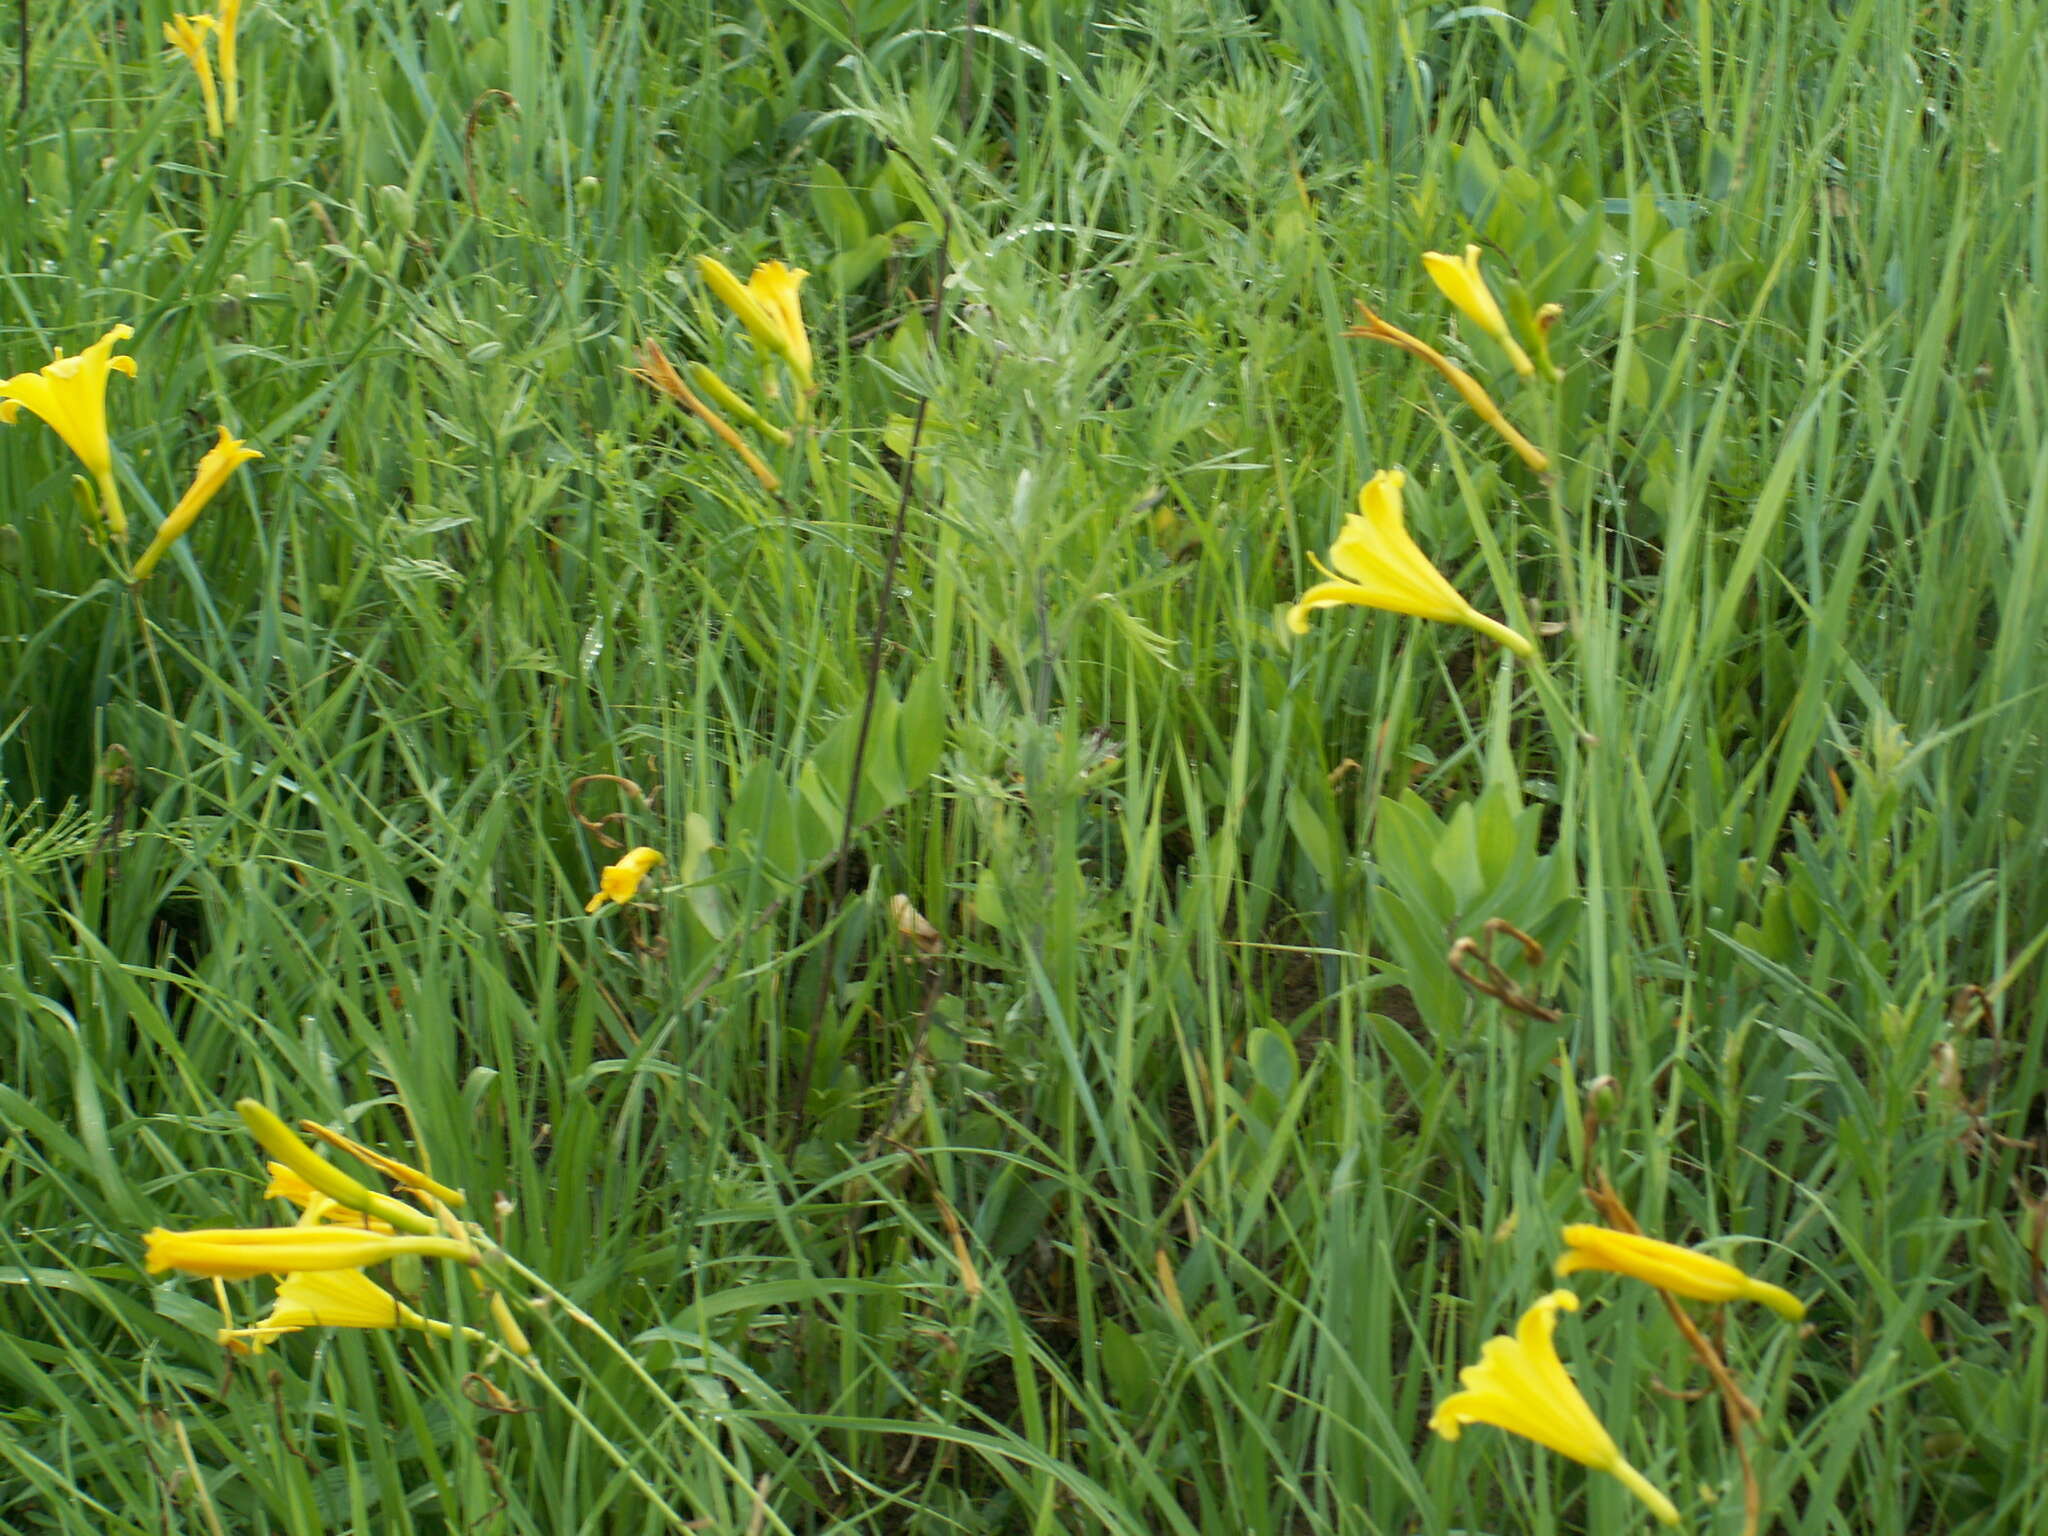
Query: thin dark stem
(24, 60)
(876, 639)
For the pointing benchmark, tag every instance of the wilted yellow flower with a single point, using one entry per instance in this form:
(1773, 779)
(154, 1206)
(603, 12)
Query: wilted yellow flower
(1520, 1385)
(659, 372)
(390, 1167)
(70, 395)
(1376, 329)
(620, 882)
(1463, 285)
(1669, 1267)
(1379, 566)
(768, 306)
(222, 460)
(236, 1253)
(187, 34)
(340, 1298)
(230, 73)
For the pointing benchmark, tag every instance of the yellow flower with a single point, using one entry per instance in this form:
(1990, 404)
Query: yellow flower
(340, 1298)
(187, 34)
(230, 18)
(776, 285)
(1378, 566)
(277, 1138)
(221, 460)
(1669, 1267)
(1376, 329)
(768, 306)
(620, 882)
(236, 1253)
(70, 395)
(1520, 1385)
(1463, 285)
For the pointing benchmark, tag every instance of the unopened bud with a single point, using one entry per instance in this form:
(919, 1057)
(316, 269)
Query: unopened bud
(395, 209)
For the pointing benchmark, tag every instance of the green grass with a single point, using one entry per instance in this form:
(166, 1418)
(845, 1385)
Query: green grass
(1172, 1194)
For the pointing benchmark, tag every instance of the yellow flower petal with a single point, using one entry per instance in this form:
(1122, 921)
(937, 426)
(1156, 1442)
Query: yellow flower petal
(768, 306)
(1377, 565)
(620, 882)
(187, 34)
(745, 304)
(1681, 1271)
(230, 73)
(775, 287)
(1463, 285)
(70, 396)
(342, 1298)
(236, 1253)
(1521, 1386)
(221, 461)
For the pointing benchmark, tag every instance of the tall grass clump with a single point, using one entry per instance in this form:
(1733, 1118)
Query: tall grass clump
(693, 667)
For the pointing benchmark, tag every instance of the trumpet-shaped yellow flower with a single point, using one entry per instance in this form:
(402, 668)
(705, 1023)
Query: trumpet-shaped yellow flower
(70, 395)
(1520, 1385)
(279, 1140)
(230, 69)
(187, 34)
(236, 1253)
(1669, 1267)
(620, 882)
(767, 304)
(340, 1298)
(222, 460)
(1378, 566)
(1463, 285)
(1376, 329)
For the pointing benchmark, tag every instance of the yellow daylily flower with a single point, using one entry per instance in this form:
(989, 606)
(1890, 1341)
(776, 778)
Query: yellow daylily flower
(70, 395)
(187, 34)
(776, 285)
(222, 460)
(230, 74)
(1463, 285)
(1520, 1385)
(768, 306)
(1378, 566)
(341, 1298)
(278, 1139)
(1681, 1271)
(1376, 329)
(236, 1253)
(620, 882)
